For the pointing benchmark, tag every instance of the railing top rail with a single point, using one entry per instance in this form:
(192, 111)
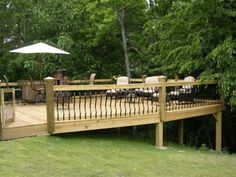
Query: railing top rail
(182, 82)
(103, 87)
(11, 84)
(7, 90)
(87, 81)
(129, 86)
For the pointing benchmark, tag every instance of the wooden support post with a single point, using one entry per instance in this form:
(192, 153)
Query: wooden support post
(159, 135)
(222, 101)
(181, 132)
(2, 119)
(218, 131)
(2, 107)
(162, 106)
(14, 104)
(1, 115)
(50, 104)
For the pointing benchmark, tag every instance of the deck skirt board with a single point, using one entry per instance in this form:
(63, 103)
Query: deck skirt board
(24, 131)
(84, 125)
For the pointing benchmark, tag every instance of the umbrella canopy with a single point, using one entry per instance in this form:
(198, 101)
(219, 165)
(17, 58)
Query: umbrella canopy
(39, 48)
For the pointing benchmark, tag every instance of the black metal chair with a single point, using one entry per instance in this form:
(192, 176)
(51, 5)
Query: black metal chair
(119, 93)
(184, 94)
(39, 90)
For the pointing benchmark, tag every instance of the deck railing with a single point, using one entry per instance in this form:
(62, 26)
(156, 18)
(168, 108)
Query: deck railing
(94, 102)
(7, 109)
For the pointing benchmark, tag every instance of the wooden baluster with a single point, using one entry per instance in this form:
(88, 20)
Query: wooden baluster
(90, 105)
(63, 107)
(111, 106)
(57, 106)
(74, 106)
(95, 102)
(85, 106)
(80, 116)
(120, 107)
(106, 107)
(129, 100)
(115, 109)
(101, 105)
(139, 103)
(67, 97)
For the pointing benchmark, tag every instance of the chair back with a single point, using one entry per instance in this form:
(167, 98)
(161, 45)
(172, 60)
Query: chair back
(6, 80)
(32, 82)
(92, 78)
(188, 79)
(152, 79)
(122, 80)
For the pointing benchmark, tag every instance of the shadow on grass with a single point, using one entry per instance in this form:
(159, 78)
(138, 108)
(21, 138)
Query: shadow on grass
(143, 134)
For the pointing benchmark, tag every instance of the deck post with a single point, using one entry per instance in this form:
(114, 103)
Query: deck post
(14, 104)
(1, 109)
(162, 106)
(50, 104)
(218, 131)
(181, 132)
(159, 135)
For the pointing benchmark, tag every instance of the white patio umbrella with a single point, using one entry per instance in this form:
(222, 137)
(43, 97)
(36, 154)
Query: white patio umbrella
(39, 48)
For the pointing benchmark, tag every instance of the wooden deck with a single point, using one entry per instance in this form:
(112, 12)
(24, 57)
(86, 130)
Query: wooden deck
(31, 119)
(88, 107)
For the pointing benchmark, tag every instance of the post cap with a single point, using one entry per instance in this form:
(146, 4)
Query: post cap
(49, 78)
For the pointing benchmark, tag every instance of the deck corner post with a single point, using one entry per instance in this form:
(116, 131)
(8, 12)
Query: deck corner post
(218, 132)
(162, 106)
(162, 97)
(50, 104)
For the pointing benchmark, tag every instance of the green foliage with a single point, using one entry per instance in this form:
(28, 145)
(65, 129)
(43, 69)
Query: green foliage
(196, 38)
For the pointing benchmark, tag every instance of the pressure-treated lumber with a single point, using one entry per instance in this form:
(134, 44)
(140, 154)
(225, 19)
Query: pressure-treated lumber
(218, 131)
(181, 132)
(50, 104)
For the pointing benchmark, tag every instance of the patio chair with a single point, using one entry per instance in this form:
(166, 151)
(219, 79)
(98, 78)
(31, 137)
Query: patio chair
(186, 93)
(5, 79)
(148, 92)
(119, 93)
(92, 79)
(18, 90)
(39, 90)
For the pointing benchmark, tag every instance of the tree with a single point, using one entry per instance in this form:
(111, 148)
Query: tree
(197, 38)
(131, 16)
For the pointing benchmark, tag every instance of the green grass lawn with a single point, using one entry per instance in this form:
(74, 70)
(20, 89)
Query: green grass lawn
(108, 155)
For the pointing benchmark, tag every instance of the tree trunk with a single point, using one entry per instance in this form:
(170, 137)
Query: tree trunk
(121, 16)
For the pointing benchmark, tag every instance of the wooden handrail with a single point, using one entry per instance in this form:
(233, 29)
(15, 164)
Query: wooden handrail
(129, 86)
